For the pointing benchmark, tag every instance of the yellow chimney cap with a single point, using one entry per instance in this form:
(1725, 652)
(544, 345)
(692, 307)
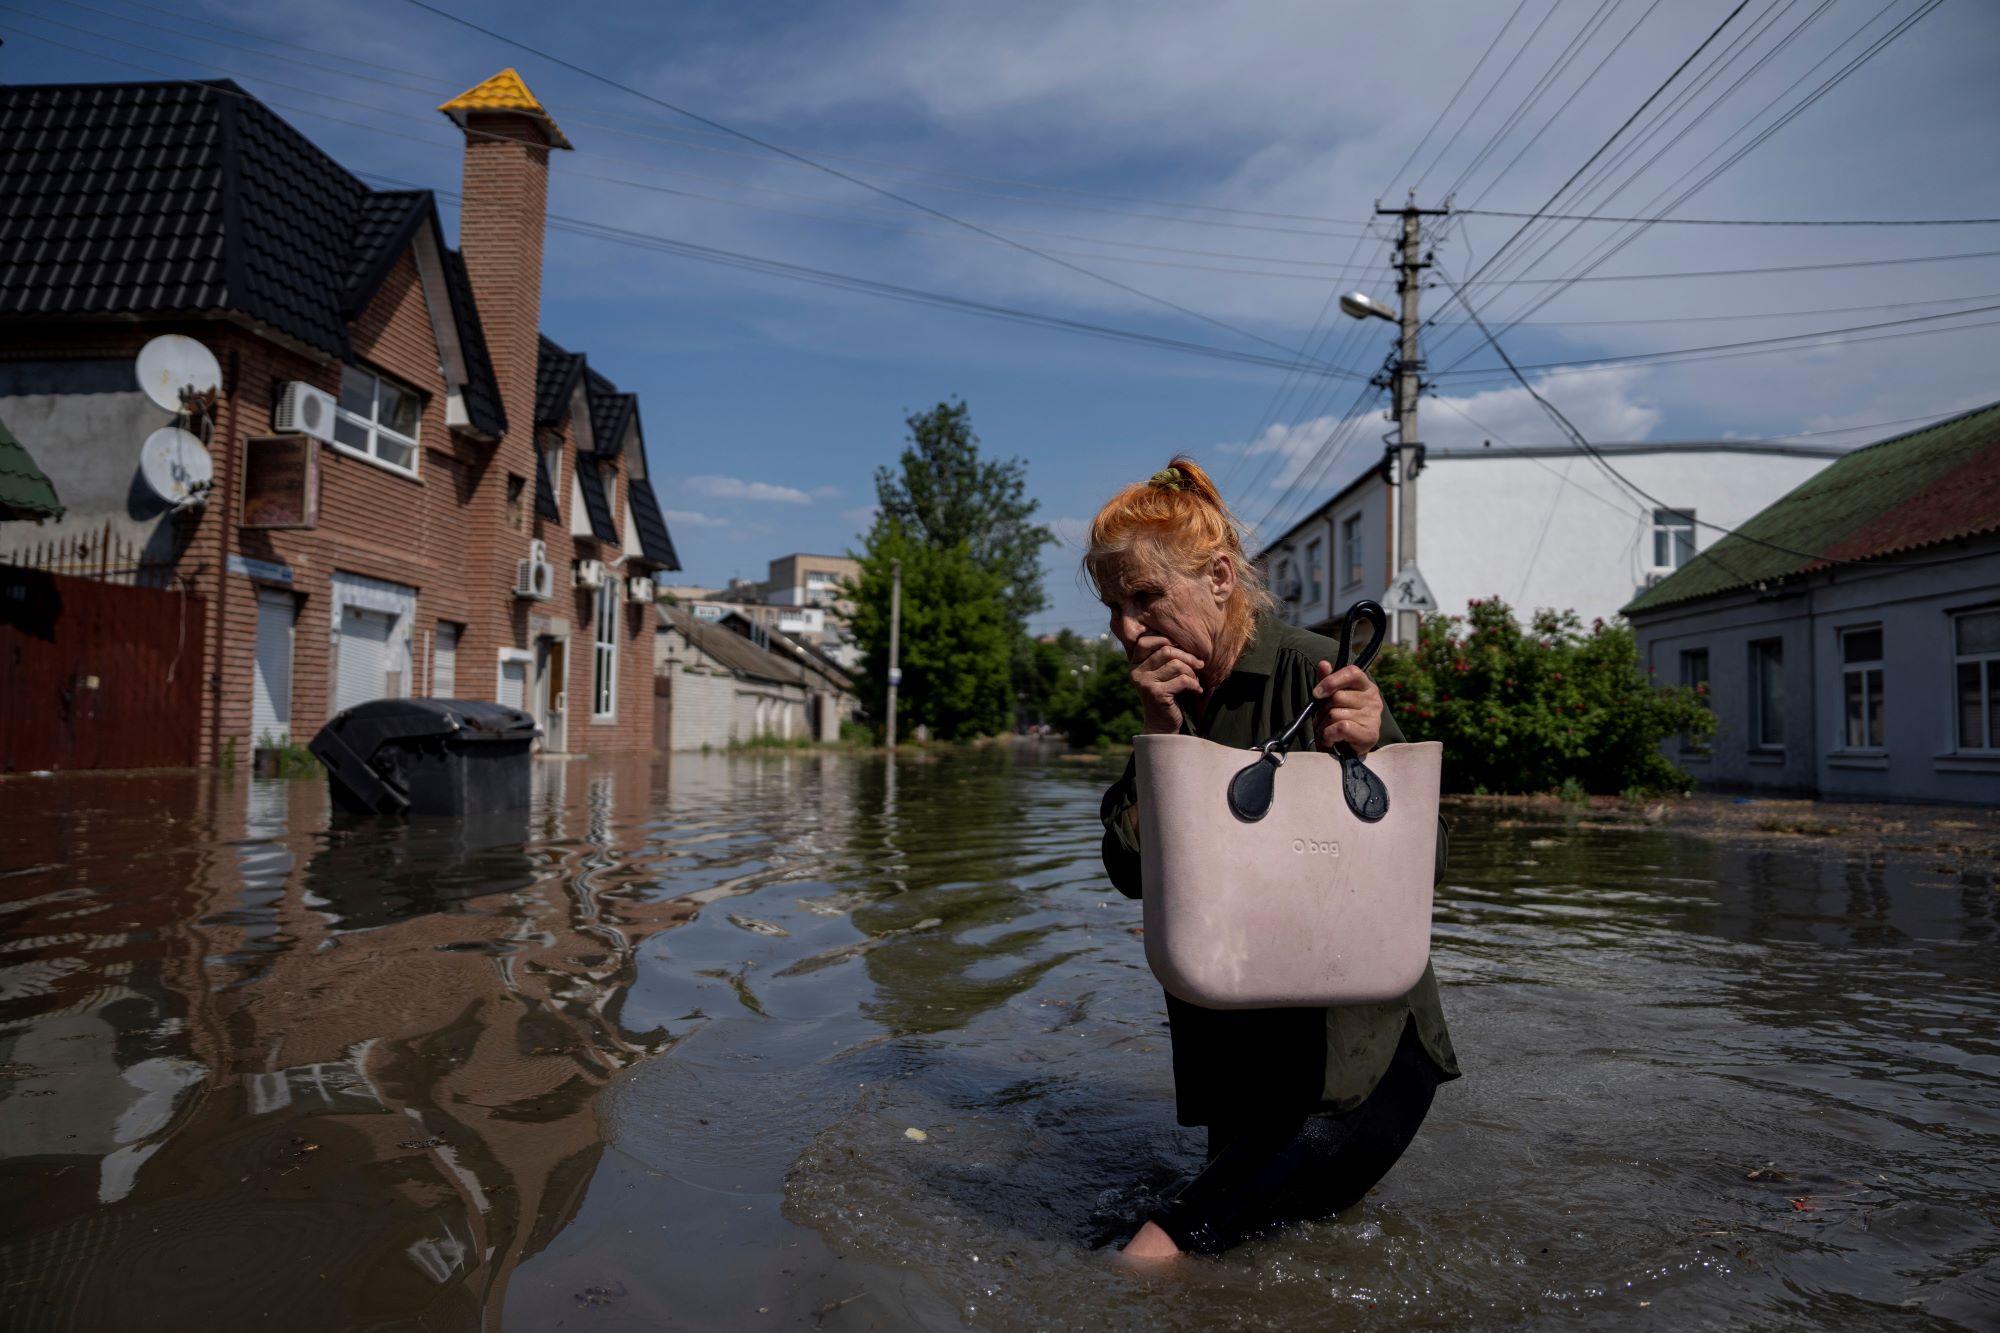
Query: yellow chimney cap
(505, 92)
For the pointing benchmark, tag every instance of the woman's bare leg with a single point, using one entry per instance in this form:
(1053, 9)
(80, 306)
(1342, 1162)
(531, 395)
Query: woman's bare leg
(1151, 1243)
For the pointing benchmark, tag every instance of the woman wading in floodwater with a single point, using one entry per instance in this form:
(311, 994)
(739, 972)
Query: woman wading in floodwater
(1306, 1109)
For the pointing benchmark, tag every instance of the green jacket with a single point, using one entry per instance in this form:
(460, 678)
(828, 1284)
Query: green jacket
(1231, 1065)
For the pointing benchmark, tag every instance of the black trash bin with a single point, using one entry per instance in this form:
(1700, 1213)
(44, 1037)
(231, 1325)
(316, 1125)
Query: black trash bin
(428, 757)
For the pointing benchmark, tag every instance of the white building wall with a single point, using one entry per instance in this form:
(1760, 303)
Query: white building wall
(1538, 529)
(702, 707)
(1556, 532)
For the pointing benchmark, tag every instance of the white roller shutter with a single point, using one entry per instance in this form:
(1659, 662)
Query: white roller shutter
(444, 662)
(271, 688)
(364, 657)
(513, 683)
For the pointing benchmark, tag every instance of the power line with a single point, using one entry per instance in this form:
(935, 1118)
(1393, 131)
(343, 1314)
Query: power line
(1583, 443)
(1814, 336)
(849, 177)
(436, 83)
(1467, 82)
(1758, 271)
(1874, 48)
(1743, 222)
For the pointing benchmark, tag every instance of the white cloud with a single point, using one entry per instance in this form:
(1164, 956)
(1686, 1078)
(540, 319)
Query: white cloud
(735, 488)
(688, 518)
(826, 492)
(1604, 402)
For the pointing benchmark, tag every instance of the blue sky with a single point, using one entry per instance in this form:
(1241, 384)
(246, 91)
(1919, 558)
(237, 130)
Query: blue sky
(1222, 158)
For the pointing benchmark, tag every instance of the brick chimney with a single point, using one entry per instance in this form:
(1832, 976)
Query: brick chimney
(508, 135)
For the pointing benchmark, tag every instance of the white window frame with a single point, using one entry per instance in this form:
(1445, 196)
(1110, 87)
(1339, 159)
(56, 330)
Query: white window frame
(1350, 548)
(1869, 713)
(1987, 700)
(604, 653)
(1669, 523)
(371, 423)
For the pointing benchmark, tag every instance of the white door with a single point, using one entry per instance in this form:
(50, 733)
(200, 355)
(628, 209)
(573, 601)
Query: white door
(271, 687)
(444, 662)
(364, 657)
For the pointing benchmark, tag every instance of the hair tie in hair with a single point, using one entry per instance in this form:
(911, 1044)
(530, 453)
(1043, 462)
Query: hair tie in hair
(1168, 479)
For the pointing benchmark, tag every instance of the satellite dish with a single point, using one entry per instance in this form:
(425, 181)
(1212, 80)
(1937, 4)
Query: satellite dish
(173, 362)
(175, 465)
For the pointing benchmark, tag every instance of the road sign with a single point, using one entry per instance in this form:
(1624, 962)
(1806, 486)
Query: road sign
(1408, 592)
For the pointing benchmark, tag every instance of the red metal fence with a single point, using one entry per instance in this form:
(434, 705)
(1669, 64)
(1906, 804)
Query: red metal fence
(97, 675)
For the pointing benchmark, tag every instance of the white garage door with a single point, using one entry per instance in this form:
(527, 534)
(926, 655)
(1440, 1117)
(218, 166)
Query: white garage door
(271, 688)
(364, 657)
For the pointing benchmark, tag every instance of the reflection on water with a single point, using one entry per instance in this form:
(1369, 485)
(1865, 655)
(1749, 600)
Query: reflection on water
(261, 1066)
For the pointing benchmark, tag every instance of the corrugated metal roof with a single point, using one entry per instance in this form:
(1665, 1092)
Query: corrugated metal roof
(732, 650)
(1915, 490)
(655, 543)
(25, 490)
(595, 502)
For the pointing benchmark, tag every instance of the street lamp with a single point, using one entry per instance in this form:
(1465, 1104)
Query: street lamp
(1360, 305)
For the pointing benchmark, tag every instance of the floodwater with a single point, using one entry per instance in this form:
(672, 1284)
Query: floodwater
(653, 1063)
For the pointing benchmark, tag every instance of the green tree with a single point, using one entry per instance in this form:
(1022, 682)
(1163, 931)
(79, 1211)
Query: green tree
(1528, 709)
(945, 494)
(956, 635)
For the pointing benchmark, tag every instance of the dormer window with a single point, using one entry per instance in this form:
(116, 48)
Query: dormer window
(377, 420)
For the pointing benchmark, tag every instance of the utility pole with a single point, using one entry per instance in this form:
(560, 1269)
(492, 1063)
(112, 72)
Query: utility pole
(1409, 451)
(895, 641)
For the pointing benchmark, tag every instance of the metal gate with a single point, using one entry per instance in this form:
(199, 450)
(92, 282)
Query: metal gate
(98, 675)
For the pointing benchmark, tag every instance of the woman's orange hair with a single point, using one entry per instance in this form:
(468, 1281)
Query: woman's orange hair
(1176, 521)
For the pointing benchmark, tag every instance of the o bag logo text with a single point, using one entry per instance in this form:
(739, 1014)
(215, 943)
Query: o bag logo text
(1314, 847)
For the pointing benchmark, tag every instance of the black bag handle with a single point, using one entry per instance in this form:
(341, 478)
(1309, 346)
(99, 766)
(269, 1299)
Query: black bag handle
(1251, 790)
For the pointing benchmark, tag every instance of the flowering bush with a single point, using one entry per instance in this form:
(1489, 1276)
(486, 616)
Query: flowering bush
(1525, 710)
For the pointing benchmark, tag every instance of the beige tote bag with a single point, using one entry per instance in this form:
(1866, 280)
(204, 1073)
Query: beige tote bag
(1275, 879)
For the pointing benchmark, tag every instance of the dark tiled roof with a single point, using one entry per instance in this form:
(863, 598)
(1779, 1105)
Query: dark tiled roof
(545, 490)
(184, 198)
(595, 502)
(556, 372)
(610, 411)
(1916, 490)
(25, 491)
(655, 544)
(482, 389)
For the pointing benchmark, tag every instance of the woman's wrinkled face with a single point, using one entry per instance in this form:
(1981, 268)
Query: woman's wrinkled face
(1187, 610)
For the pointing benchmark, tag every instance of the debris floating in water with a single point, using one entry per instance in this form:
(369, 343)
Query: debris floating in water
(915, 1135)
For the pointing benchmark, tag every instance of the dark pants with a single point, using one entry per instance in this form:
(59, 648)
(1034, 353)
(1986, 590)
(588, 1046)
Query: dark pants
(1264, 1174)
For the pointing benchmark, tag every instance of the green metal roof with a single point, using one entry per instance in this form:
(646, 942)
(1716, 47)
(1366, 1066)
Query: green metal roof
(24, 491)
(1928, 486)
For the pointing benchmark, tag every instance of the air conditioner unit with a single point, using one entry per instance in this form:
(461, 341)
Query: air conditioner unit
(639, 589)
(589, 573)
(301, 409)
(1655, 576)
(535, 577)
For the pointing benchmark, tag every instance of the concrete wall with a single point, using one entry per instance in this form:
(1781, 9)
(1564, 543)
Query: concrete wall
(83, 422)
(1919, 760)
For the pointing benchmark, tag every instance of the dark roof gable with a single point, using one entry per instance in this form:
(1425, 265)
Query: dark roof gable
(1919, 489)
(195, 198)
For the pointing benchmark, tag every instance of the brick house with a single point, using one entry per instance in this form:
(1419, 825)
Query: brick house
(465, 446)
